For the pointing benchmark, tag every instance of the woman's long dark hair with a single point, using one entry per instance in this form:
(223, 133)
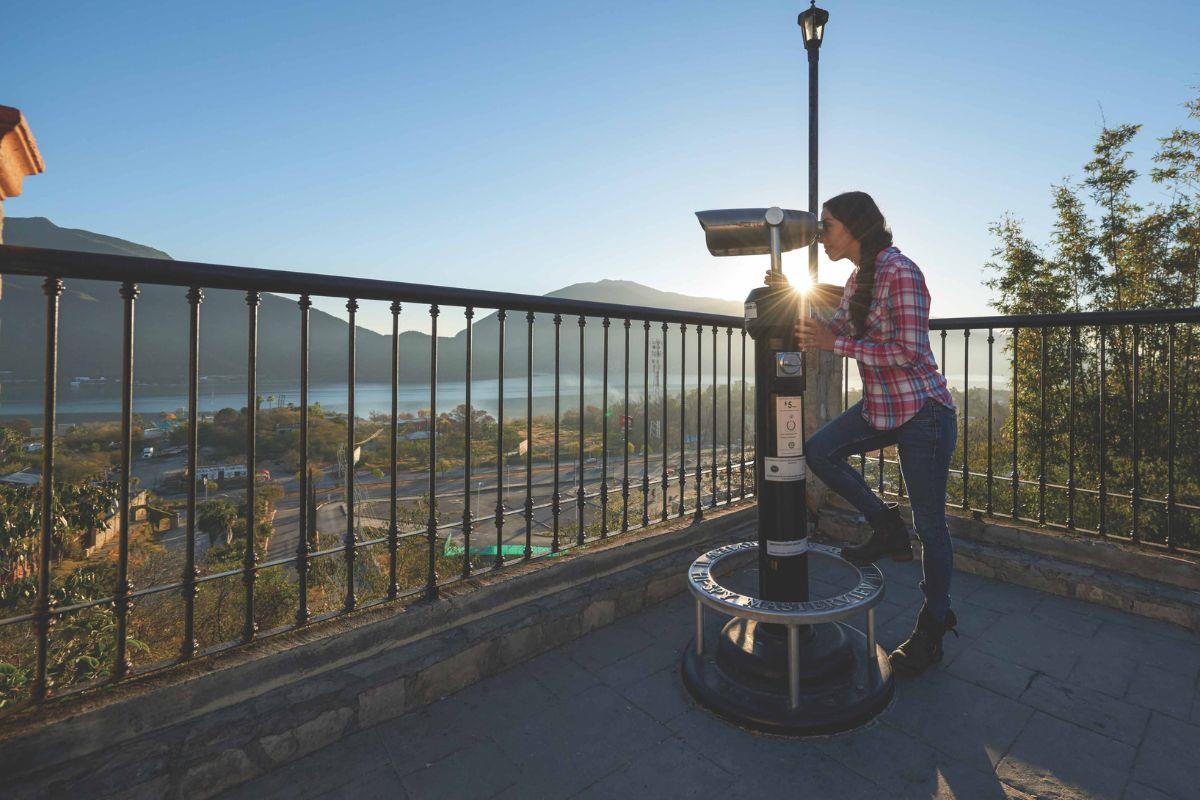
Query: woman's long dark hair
(858, 212)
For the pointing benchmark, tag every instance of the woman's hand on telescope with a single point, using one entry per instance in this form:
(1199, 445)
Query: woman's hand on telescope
(775, 279)
(813, 333)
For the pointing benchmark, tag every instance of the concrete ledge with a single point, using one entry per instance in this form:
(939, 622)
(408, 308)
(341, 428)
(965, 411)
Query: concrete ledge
(198, 729)
(1159, 586)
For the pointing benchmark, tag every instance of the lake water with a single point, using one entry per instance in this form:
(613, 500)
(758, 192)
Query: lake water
(103, 401)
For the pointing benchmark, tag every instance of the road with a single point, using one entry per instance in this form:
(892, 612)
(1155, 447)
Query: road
(373, 507)
(411, 485)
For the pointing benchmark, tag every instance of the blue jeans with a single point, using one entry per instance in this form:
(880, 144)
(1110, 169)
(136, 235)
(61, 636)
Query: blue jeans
(926, 443)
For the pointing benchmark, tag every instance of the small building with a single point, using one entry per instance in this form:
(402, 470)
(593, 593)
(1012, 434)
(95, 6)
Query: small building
(22, 478)
(221, 472)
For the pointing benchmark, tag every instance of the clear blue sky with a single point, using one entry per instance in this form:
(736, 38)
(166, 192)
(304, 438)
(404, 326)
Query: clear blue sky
(525, 146)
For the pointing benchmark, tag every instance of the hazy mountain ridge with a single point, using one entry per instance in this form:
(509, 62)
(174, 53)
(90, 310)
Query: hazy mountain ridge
(41, 232)
(91, 325)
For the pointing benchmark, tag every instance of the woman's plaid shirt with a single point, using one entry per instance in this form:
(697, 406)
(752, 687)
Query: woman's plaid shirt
(894, 358)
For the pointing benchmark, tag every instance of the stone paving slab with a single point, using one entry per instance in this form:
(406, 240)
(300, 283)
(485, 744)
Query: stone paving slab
(1040, 697)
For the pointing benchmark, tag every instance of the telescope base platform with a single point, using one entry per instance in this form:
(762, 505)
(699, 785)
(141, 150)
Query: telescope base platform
(745, 678)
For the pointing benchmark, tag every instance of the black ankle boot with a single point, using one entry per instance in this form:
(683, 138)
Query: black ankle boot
(889, 537)
(924, 647)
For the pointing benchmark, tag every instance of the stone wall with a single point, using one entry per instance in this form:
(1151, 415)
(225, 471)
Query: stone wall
(195, 730)
(1109, 573)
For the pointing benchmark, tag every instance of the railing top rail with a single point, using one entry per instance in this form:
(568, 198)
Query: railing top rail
(1082, 318)
(15, 260)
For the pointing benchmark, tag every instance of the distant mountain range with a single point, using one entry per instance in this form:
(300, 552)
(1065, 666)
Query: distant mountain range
(91, 324)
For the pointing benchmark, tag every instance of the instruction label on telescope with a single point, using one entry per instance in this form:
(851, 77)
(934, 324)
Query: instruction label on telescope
(784, 469)
(751, 310)
(793, 547)
(789, 426)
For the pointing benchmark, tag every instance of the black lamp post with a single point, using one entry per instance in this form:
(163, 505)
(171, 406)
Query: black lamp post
(812, 24)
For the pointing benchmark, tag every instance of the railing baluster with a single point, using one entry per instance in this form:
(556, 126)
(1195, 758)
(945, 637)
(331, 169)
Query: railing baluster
(1072, 346)
(393, 522)
(1013, 408)
(604, 439)
(742, 440)
(1170, 499)
(529, 437)
(682, 418)
(579, 493)
(1102, 525)
(351, 601)
(845, 383)
(990, 413)
(666, 479)
(625, 438)
(966, 415)
(699, 513)
(501, 315)
(646, 425)
(880, 463)
(554, 501)
(189, 646)
(1042, 431)
(307, 509)
(121, 601)
(431, 587)
(712, 503)
(53, 289)
(728, 415)
(248, 567)
(1135, 495)
(941, 365)
(469, 313)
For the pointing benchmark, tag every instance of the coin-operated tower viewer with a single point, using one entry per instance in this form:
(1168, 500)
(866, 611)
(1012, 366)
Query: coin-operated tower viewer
(782, 663)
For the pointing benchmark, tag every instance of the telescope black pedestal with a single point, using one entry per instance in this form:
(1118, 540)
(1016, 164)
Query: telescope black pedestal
(744, 679)
(783, 664)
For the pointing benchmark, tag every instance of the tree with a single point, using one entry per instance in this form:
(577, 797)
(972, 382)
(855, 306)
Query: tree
(10, 442)
(1108, 251)
(217, 518)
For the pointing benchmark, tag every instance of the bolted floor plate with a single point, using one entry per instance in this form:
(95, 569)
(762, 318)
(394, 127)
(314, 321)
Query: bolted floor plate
(831, 700)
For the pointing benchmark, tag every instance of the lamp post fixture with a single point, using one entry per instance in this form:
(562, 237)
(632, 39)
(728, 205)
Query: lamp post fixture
(812, 24)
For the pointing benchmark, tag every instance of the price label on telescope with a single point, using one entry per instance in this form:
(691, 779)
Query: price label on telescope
(789, 426)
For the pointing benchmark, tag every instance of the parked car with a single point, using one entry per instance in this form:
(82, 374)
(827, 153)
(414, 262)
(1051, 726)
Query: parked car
(147, 452)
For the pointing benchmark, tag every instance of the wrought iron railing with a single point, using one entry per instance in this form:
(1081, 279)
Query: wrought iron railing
(1096, 429)
(47, 652)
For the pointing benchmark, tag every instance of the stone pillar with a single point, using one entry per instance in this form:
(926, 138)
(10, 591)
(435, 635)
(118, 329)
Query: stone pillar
(823, 393)
(19, 157)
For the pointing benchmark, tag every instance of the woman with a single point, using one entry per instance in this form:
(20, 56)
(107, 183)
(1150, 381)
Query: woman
(882, 323)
